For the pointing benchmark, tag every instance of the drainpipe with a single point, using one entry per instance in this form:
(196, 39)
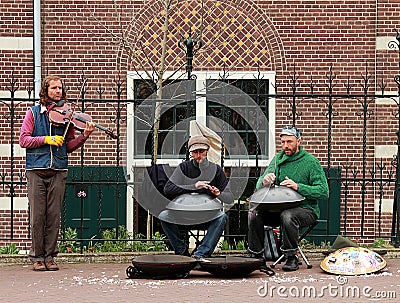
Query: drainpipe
(37, 50)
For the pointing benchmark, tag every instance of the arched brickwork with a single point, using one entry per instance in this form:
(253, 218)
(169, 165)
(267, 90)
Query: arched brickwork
(237, 35)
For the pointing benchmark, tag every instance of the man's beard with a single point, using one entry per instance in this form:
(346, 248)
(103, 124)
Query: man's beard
(291, 151)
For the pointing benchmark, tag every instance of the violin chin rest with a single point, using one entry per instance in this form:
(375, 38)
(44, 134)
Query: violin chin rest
(60, 103)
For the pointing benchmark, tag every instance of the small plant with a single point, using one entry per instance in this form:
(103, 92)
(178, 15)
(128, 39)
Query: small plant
(325, 245)
(70, 245)
(241, 245)
(158, 243)
(138, 244)
(380, 243)
(307, 244)
(311, 245)
(110, 245)
(9, 249)
(224, 245)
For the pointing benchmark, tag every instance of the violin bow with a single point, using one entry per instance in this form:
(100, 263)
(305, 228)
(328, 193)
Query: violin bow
(77, 99)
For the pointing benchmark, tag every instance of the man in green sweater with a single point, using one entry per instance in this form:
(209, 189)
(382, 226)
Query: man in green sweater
(297, 169)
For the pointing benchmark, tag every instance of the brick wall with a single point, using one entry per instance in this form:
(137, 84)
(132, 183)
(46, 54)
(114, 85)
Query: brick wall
(309, 36)
(16, 20)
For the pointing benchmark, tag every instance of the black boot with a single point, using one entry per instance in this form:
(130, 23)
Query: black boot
(292, 264)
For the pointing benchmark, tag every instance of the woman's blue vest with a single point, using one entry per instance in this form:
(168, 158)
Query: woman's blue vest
(46, 156)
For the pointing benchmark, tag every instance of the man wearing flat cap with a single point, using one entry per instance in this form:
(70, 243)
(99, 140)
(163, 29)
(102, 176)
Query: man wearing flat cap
(198, 175)
(297, 169)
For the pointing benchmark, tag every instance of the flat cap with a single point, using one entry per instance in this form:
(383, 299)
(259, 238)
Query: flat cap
(198, 142)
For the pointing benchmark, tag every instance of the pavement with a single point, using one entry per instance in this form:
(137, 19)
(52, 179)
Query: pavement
(108, 282)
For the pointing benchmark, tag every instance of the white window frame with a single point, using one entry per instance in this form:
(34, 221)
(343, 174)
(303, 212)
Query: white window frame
(201, 115)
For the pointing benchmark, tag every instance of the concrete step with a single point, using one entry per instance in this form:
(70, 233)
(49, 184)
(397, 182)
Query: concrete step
(126, 257)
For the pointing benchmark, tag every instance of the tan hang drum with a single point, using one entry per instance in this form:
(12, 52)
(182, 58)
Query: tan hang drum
(353, 261)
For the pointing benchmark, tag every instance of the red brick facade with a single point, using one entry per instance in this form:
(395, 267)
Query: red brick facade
(310, 36)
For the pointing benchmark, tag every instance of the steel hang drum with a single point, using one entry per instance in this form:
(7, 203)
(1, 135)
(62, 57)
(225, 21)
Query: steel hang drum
(275, 198)
(190, 209)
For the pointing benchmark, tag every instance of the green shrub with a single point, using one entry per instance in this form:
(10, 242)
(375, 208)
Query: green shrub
(380, 243)
(71, 245)
(110, 243)
(157, 243)
(224, 245)
(305, 244)
(9, 249)
(139, 244)
(241, 245)
(127, 243)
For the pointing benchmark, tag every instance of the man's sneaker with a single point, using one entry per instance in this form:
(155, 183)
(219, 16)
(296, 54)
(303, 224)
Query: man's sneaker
(39, 266)
(51, 265)
(200, 259)
(292, 264)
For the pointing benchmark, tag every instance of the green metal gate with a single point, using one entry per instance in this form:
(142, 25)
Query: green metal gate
(329, 222)
(95, 200)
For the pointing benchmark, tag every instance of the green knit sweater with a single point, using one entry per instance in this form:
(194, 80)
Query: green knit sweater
(306, 171)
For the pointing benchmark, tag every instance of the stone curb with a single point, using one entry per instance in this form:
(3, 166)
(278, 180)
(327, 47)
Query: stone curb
(126, 257)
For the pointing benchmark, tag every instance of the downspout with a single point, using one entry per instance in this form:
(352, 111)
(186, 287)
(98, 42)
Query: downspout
(37, 50)
(375, 105)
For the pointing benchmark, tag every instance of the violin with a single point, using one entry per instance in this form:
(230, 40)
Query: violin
(63, 116)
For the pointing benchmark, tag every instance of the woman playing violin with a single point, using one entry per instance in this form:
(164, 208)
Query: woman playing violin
(47, 147)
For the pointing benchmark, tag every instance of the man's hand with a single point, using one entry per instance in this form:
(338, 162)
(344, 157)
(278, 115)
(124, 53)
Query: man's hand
(54, 140)
(269, 179)
(205, 184)
(90, 126)
(202, 184)
(215, 191)
(290, 183)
